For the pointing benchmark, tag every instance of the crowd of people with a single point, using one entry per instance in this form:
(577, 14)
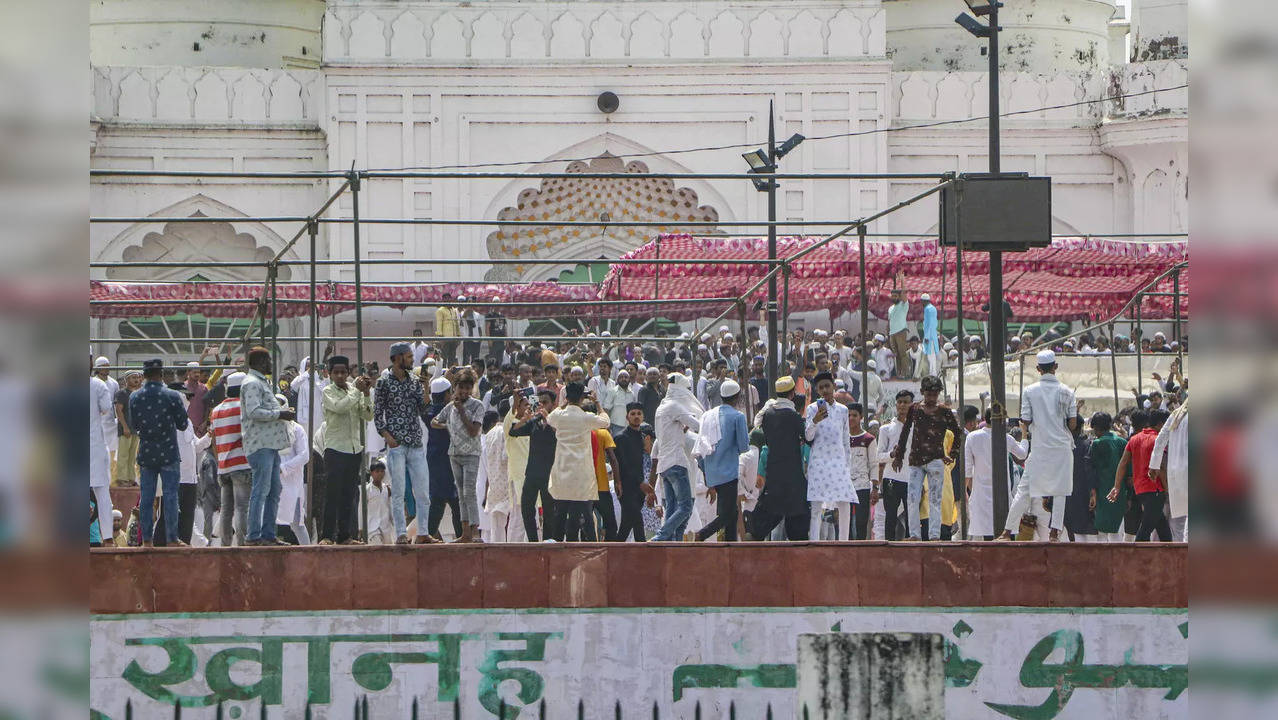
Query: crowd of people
(596, 438)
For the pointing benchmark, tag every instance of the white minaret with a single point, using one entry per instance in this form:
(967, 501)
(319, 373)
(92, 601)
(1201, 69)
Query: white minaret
(1160, 30)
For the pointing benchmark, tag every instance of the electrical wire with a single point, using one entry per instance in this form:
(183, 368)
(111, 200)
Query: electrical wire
(738, 146)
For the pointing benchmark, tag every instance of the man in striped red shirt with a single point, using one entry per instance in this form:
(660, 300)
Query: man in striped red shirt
(233, 471)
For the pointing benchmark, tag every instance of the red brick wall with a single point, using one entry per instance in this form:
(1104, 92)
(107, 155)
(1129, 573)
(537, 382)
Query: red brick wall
(632, 575)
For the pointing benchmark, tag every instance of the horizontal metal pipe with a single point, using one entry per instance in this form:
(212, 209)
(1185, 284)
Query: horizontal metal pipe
(444, 175)
(435, 261)
(396, 338)
(501, 223)
(408, 303)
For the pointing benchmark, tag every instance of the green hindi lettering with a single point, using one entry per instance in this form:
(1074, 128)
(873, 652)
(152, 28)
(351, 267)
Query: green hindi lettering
(531, 684)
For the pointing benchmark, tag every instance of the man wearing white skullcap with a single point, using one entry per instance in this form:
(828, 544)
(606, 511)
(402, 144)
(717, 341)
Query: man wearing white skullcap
(721, 439)
(102, 370)
(931, 342)
(883, 356)
(1048, 417)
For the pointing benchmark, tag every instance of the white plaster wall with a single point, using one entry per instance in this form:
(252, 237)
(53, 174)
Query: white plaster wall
(231, 33)
(1160, 29)
(1038, 36)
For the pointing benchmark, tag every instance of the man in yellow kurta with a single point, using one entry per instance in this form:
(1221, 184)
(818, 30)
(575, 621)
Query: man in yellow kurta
(447, 325)
(572, 480)
(949, 508)
(516, 465)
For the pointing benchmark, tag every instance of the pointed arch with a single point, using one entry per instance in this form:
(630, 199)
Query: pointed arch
(213, 242)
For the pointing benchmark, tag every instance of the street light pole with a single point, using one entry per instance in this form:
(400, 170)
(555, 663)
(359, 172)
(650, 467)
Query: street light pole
(772, 253)
(998, 322)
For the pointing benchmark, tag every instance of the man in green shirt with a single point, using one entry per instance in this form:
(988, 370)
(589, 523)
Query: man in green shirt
(347, 410)
(1105, 453)
(898, 332)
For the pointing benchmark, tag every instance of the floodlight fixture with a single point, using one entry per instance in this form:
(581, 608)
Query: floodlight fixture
(790, 144)
(758, 161)
(980, 7)
(971, 25)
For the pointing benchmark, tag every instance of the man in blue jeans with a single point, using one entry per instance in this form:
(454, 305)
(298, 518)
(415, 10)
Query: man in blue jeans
(927, 420)
(264, 431)
(399, 405)
(678, 413)
(157, 416)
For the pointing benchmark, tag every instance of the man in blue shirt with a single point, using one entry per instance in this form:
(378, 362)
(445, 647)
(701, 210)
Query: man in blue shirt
(723, 438)
(157, 415)
(931, 342)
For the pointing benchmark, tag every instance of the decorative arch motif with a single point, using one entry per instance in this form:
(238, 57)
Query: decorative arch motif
(210, 242)
(643, 199)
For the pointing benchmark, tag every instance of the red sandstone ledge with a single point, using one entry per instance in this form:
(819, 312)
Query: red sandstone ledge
(871, 574)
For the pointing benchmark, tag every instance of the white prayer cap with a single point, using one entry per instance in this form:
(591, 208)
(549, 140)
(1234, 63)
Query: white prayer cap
(702, 346)
(429, 361)
(925, 297)
(193, 364)
(723, 328)
(621, 372)
(705, 336)
(871, 365)
(954, 353)
(820, 333)
(1175, 344)
(439, 385)
(235, 379)
(948, 346)
(102, 362)
(974, 338)
(116, 514)
(1160, 335)
(840, 331)
(728, 336)
(1147, 405)
(283, 401)
(683, 336)
(879, 337)
(1068, 343)
(496, 299)
(1045, 357)
(840, 384)
(461, 298)
(729, 388)
(605, 333)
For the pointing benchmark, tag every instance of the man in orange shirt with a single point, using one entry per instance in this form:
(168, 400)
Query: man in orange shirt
(603, 448)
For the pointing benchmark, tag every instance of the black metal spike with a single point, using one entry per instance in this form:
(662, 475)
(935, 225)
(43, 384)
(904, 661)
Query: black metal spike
(541, 713)
(262, 712)
(501, 709)
(805, 711)
(457, 709)
(307, 714)
(414, 707)
(696, 710)
(218, 714)
(177, 711)
(656, 714)
(581, 709)
(128, 710)
(616, 711)
(365, 707)
(769, 713)
(732, 710)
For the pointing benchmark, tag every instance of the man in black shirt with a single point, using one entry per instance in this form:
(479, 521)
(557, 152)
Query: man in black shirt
(632, 444)
(650, 394)
(541, 456)
(785, 488)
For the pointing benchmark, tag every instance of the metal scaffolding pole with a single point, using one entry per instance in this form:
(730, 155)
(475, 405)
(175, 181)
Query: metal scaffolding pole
(960, 486)
(1138, 336)
(865, 322)
(1113, 366)
(353, 180)
(312, 229)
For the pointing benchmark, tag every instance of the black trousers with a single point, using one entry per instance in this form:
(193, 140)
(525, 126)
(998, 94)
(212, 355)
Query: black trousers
(895, 495)
(726, 518)
(436, 515)
(341, 492)
(578, 520)
(861, 515)
(607, 514)
(1152, 517)
(796, 526)
(186, 516)
(534, 486)
(631, 515)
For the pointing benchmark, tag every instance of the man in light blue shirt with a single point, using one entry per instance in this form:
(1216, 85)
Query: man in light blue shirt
(898, 332)
(723, 438)
(931, 343)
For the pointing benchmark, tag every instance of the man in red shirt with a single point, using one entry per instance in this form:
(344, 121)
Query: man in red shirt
(1151, 489)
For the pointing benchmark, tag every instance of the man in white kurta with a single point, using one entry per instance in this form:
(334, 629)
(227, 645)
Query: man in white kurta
(1174, 440)
(979, 473)
(308, 398)
(1048, 417)
(572, 477)
(292, 507)
(101, 407)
